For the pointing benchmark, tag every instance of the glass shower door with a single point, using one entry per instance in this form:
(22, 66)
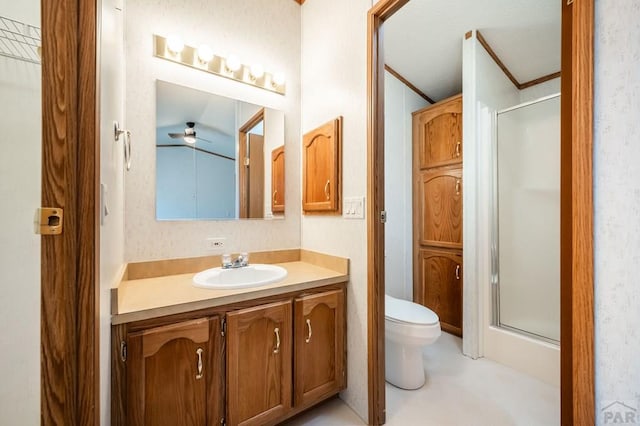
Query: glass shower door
(20, 192)
(527, 235)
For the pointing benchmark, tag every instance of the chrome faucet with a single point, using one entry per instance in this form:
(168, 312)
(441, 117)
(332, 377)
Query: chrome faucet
(239, 262)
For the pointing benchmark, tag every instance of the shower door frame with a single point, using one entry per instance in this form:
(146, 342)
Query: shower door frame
(577, 394)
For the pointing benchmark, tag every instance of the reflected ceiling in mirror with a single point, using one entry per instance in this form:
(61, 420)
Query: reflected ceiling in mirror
(214, 157)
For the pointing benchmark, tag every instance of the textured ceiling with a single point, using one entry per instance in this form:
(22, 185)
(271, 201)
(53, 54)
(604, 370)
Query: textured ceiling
(423, 40)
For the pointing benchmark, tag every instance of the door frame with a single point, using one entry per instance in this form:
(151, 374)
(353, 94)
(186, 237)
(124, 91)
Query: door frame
(576, 217)
(243, 174)
(69, 323)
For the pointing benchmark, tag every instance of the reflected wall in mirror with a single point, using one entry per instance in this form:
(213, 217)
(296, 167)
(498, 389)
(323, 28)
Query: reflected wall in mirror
(214, 156)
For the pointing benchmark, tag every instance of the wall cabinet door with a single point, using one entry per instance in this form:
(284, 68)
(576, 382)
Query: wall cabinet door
(440, 286)
(321, 168)
(319, 329)
(167, 374)
(277, 180)
(259, 363)
(439, 209)
(438, 134)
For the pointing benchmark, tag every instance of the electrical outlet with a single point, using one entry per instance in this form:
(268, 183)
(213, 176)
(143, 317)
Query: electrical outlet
(215, 244)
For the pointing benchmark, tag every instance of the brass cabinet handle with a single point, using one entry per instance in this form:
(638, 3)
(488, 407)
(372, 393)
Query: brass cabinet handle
(326, 189)
(308, 339)
(277, 348)
(200, 367)
(458, 145)
(457, 186)
(457, 272)
(275, 199)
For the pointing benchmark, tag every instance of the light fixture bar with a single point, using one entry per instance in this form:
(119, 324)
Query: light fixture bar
(217, 65)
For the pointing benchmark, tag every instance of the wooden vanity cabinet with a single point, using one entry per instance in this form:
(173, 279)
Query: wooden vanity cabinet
(277, 180)
(259, 364)
(321, 169)
(167, 375)
(319, 327)
(237, 364)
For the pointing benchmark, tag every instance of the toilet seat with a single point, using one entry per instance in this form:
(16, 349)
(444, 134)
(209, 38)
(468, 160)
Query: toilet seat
(405, 312)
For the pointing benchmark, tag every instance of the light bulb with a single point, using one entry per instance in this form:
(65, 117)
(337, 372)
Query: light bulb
(175, 44)
(205, 54)
(278, 79)
(257, 71)
(233, 63)
(190, 139)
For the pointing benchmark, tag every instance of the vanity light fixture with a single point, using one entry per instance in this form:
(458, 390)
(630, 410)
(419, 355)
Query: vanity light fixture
(205, 54)
(205, 59)
(175, 45)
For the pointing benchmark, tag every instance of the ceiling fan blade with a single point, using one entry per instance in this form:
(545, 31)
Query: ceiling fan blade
(176, 135)
(204, 140)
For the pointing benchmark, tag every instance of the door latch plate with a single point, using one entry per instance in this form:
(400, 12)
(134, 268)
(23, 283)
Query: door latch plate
(49, 221)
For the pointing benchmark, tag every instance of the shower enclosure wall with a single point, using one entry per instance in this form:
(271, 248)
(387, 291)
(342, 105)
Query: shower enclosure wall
(526, 214)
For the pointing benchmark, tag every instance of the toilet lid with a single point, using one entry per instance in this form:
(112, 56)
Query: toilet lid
(409, 312)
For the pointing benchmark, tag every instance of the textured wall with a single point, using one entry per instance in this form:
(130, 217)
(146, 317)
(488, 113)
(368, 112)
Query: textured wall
(617, 203)
(334, 69)
(20, 166)
(399, 103)
(264, 31)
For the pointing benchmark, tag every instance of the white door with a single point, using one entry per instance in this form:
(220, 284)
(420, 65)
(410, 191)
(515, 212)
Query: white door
(20, 177)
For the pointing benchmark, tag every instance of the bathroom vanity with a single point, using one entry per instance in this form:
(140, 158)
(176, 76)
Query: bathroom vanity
(248, 356)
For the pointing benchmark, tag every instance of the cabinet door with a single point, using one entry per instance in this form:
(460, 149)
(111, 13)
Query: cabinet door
(319, 329)
(277, 180)
(167, 371)
(438, 134)
(440, 285)
(321, 168)
(258, 364)
(440, 208)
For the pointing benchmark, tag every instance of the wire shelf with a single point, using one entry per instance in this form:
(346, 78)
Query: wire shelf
(19, 41)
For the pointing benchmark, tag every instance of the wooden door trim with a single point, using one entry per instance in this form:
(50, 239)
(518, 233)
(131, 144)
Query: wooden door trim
(577, 317)
(243, 182)
(69, 323)
(375, 204)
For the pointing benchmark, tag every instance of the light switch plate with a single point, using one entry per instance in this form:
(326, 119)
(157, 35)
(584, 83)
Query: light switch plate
(353, 208)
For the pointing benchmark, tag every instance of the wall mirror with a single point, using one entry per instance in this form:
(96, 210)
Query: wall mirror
(216, 157)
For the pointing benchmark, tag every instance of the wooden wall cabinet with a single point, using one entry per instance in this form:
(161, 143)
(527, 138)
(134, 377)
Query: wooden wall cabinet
(440, 193)
(238, 364)
(168, 374)
(322, 169)
(259, 364)
(437, 210)
(440, 274)
(277, 180)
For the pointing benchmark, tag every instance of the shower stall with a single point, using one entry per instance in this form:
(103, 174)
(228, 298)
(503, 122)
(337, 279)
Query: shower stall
(525, 282)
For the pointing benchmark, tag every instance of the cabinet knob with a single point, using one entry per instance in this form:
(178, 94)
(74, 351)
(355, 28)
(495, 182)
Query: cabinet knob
(277, 333)
(308, 339)
(326, 189)
(199, 374)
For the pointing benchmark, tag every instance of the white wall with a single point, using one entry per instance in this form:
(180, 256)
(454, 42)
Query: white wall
(20, 189)
(111, 45)
(265, 31)
(617, 203)
(399, 102)
(334, 69)
(486, 89)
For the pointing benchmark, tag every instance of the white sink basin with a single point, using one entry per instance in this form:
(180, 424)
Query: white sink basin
(255, 275)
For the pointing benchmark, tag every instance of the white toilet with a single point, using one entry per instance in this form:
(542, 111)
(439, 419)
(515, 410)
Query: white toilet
(408, 328)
